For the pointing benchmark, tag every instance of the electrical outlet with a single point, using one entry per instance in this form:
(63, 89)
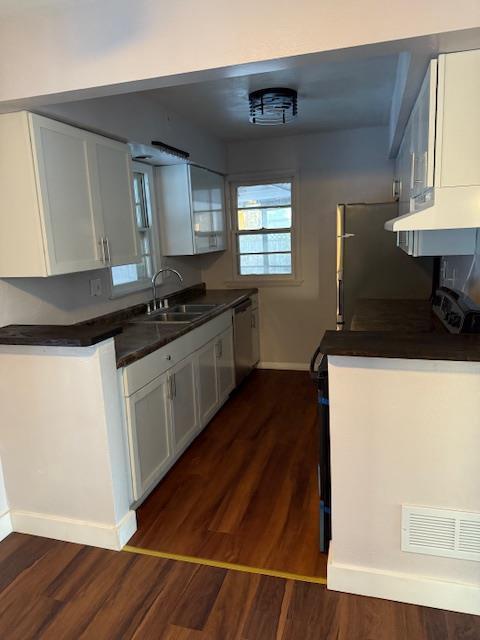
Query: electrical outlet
(95, 287)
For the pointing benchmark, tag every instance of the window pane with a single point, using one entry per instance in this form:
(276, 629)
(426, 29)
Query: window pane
(264, 195)
(266, 264)
(264, 242)
(125, 274)
(250, 219)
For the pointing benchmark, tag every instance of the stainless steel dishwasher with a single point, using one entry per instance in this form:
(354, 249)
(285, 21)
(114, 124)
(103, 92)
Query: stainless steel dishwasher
(242, 330)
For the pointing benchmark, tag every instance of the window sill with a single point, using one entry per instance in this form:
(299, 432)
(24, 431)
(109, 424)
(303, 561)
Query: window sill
(259, 282)
(120, 291)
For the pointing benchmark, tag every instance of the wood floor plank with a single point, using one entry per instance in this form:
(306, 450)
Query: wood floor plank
(234, 601)
(197, 601)
(264, 616)
(21, 552)
(96, 594)
(246, 490)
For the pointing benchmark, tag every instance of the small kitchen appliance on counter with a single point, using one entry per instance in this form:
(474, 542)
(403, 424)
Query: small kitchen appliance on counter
(456, 311)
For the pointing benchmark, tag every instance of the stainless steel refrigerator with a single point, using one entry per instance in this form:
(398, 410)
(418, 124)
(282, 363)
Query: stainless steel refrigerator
(369, 263)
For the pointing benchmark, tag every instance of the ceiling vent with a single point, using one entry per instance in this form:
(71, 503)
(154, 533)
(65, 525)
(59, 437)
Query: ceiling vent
(273, 106)
(441, 532)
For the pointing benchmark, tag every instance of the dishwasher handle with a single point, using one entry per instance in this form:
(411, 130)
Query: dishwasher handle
(243, 306)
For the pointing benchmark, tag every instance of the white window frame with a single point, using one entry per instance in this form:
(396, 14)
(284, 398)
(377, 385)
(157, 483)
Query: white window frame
(273, 279)
(145, 283)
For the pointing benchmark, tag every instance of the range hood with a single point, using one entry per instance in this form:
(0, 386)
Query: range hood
(157, 154)
(442, 208)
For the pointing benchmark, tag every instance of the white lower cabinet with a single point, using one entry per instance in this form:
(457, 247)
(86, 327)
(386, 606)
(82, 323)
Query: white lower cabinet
(207, 381)
(171, 394)
(225, 365)
(184, 405)
(149, 434)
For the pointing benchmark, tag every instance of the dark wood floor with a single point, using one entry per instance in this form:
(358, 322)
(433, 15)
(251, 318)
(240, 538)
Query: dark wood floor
(53, 590)
(246, 490)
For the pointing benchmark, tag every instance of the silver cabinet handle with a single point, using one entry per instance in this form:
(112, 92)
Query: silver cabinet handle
(219, 349)
(254, 321)
(174, 377)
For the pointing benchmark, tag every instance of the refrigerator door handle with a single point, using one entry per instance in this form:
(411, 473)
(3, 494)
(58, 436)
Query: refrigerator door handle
(340, 301)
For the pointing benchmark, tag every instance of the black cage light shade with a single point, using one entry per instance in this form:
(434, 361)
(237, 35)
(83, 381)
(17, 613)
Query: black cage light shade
(273, 106)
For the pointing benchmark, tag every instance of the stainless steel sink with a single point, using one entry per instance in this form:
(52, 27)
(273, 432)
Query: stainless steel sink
(191, 308)
(169, 316)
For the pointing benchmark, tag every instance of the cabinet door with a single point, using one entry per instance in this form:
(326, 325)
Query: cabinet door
(225, 364)
(113, 192)
(207, 381)
(255, 337)
(183, 393)
(403, 171)
(423, 133)
(149, 435)
(207, 210)
(72, 225)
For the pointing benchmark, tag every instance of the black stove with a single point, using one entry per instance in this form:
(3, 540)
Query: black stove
(456, 311)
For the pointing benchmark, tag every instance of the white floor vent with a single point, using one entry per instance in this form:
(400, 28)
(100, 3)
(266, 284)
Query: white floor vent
(441, 532)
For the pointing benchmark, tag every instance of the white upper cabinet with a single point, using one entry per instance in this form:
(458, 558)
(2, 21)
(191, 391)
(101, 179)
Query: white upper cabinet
(62, 164)
(422, 136)
(66, 199)
(443, 137)
(192, 210)
(114, 198)
(458, 123)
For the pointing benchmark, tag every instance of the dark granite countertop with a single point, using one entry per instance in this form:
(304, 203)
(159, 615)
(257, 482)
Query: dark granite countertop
(141, 338)
(395, 315)
(54, 335)
(133, 339)
(399, 329)
(417, 346)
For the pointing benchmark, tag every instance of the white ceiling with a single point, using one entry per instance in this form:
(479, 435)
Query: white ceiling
(331, 95)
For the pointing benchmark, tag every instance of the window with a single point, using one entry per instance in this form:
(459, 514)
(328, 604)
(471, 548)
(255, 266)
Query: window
(133, 277)
(264, 225)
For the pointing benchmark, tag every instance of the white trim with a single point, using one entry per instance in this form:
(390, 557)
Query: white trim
(79, 531)
(402, 587)
(266, 177)
(255, 282)
(6, 527)
(121, 290)
(284, 366)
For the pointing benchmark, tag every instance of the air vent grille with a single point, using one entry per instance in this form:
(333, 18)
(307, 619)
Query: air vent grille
(441, 532)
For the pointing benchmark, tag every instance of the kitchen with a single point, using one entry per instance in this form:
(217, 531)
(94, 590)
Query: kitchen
(96, 456)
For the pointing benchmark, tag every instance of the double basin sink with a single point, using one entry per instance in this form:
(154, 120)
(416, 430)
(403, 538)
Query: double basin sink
(179, 313)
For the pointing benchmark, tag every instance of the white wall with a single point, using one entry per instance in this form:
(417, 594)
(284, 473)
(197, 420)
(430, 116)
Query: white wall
(64, 453)
(52, 47)
(397, 437)
(66, 299)
(333, 167)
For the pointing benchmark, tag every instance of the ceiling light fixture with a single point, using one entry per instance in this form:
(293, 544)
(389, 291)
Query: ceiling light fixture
(273, 106)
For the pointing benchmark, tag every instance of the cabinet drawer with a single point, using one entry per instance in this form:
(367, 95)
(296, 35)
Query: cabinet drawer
(140, 373)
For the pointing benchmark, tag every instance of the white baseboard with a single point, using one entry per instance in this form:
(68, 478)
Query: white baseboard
(5, 525)
(284, 366)
(400, 587)
(79, 531)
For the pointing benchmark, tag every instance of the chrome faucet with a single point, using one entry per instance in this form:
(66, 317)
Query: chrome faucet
(160, 304)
